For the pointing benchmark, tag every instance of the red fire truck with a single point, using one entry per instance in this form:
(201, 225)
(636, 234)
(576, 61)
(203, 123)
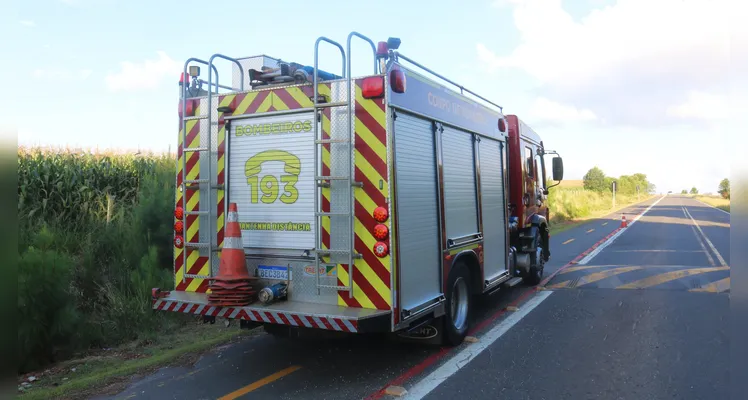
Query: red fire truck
(379, 203)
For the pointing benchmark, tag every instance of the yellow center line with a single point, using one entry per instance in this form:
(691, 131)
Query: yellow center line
(590, 230)
(568, 241)
(605, 223)
(668, 276)
(260, 383)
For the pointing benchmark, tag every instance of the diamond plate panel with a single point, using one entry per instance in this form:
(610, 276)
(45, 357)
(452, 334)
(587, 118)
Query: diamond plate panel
(303, 285)
(341, 193)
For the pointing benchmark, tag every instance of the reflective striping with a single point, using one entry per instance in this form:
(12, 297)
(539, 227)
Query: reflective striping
(275, 317)
(668, 276)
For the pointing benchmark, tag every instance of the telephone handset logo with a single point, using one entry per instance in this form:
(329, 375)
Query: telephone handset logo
(269, 183)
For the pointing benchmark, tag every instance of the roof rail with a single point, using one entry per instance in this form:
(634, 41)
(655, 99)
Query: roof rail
(397, 55)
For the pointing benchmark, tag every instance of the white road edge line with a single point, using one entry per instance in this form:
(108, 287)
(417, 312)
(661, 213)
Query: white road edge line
(461, 359)
(607, 243)
(707, 204)
(701, 241)
(708, 242)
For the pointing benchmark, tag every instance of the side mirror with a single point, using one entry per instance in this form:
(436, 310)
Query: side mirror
(558, 169)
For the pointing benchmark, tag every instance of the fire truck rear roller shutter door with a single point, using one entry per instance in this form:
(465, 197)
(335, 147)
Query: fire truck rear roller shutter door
(460, 201)
(493, 203)
(417, 210)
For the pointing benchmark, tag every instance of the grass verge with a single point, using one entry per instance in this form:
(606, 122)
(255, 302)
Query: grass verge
(714, 201)
(564, 225)
(108, 371)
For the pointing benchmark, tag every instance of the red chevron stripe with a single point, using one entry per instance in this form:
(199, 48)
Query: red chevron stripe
(287, 99)
(370, 188)
(369, 290)
(373, 261)
(373, 158)
(368, 120)
(255, 105)
(349, 301)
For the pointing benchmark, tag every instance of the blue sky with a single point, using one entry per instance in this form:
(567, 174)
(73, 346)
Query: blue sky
(104, 73)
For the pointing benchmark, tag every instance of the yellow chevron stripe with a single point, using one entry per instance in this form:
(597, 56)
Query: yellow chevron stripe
(205, 270)
(371, 107)
(278, 102)
(365, 268)
(226, 100)
(300, 97)
(178, 274)
(358, 293)
(244, 105)
(371, 174)
(266, 104)
(376, 145)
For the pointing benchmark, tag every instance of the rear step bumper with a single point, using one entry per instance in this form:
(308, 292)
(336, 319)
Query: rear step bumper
(292, 313)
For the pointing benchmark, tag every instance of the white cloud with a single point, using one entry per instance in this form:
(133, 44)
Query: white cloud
(550, 111)
(27, 23)
(635, 62)
(145, 75)
(701, 105)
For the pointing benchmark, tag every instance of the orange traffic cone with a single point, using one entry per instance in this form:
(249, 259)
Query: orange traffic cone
(232, 286)
(624, 224)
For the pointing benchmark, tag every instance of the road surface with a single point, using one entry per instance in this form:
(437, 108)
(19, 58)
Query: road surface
(633, 313)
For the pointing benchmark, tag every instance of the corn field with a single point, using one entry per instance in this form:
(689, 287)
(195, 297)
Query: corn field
(95, 235)
(71, 185)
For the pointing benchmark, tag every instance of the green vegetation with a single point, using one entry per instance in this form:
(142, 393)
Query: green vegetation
(724, 188)
(573, 201)
(94, 238)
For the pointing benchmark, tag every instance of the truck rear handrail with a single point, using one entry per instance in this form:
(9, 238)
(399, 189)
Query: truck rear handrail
(397, 55)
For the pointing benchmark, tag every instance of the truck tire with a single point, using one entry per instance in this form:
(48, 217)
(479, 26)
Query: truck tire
(537, 263)
(458, 305)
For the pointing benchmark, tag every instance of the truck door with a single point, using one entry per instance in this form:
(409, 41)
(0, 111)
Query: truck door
(493, 208)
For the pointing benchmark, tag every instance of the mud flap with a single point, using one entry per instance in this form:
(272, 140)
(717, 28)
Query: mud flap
(429, 332)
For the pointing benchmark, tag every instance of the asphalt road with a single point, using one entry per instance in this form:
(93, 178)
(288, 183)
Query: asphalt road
(640, 316)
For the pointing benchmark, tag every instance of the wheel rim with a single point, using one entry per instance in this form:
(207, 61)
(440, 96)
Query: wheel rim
(540, 261)
(459, 303)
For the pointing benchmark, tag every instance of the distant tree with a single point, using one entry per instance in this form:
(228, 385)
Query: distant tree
(724, 188)
(594, 180)
(694, 190)
(684, 191)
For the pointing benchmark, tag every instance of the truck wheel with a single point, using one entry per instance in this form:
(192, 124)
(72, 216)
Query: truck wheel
(537, 263)
(459, 297)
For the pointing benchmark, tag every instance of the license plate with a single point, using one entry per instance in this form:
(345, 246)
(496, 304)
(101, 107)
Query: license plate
(273, 272)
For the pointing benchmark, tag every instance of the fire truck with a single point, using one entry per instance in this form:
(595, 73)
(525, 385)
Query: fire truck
(388, 202)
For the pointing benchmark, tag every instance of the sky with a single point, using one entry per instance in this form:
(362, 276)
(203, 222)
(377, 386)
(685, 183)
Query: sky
(629, 86)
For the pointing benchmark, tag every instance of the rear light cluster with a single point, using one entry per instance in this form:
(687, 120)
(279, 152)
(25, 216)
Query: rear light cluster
(373, 86)
(381, 232)
(179, 227)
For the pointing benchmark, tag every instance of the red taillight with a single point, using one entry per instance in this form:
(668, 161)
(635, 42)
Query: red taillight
(381, 232)
(381, 249)
(184, 78)
(382, 49)
(397, 81)
(502, 125)
(179, 227)
(373, 87)
(380, 214)
(178, 241)
(179, 213)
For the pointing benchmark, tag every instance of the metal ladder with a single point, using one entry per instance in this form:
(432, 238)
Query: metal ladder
(347, 254)
(210, 183)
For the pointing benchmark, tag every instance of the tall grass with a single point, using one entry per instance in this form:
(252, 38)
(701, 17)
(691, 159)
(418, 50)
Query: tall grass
(568, 204)
(94, 238)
